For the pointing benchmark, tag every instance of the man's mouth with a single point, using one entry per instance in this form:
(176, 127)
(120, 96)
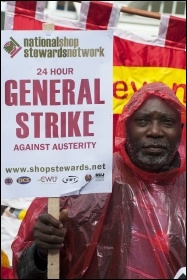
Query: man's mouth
(154, 149)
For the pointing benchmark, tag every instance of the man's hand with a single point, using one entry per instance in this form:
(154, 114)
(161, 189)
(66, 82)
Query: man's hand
(49, 233)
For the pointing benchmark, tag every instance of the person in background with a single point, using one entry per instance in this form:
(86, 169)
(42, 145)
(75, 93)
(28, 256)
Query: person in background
(138, 230)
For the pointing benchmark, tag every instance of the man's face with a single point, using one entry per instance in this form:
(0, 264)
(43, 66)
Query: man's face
(153, 135)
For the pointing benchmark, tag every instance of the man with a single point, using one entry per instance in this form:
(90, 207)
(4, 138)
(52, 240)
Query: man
(137, 231)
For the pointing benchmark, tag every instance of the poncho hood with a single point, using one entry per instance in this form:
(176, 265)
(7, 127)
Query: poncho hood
(162, 91)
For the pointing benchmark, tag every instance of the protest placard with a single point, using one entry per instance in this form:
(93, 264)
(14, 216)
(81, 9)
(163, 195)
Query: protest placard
(56, 112)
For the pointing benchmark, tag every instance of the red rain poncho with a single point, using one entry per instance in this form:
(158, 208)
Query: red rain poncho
(137, 231)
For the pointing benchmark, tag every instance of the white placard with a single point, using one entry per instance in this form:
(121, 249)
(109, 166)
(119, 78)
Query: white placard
(56, 120)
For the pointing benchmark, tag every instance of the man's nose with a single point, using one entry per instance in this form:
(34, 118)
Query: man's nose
(155, 129)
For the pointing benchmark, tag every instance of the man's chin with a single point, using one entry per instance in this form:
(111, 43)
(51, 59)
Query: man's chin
(153, 164)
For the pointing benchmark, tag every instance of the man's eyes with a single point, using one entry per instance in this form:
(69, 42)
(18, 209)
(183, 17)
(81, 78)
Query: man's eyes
(145, 121)
(168, 122)
(142, 121)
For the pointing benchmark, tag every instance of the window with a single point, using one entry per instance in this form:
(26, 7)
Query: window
(166, 7)
(66, 6)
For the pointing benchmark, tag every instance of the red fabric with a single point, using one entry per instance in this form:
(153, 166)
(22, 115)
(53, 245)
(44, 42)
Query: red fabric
(6, 273)
(30, 23)
(26, 8)
(33, 24)
(176, 31)
(102, 17)
(129, 53)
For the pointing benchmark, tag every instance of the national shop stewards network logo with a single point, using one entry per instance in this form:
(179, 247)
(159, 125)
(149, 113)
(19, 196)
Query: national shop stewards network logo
(51, 47)
(12, 47)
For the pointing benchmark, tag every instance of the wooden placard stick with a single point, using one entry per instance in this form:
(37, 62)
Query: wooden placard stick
(53, 266)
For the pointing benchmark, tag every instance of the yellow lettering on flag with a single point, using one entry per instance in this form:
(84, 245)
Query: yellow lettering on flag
(127, 80)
